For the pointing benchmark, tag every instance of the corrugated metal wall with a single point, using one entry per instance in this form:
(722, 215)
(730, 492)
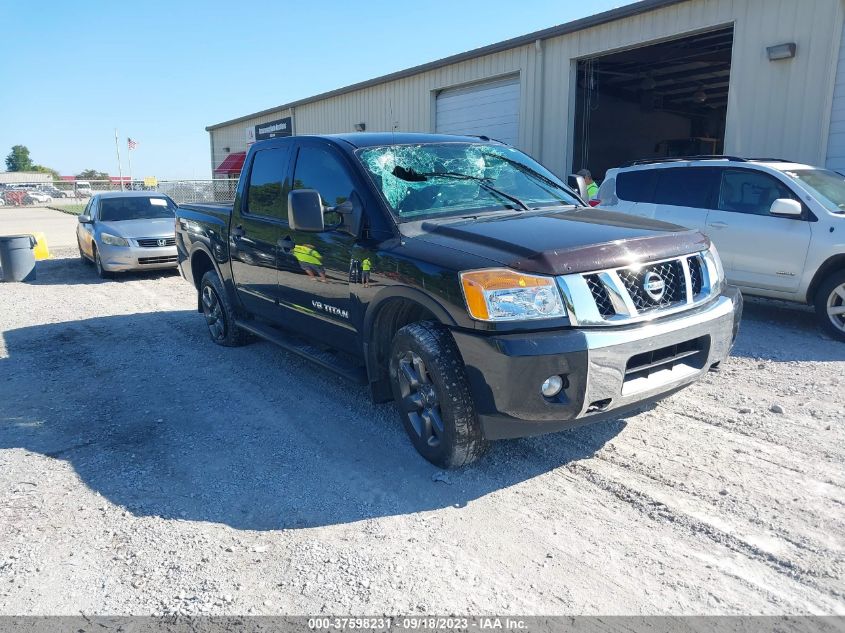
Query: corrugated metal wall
(775, 108)
(836, 137)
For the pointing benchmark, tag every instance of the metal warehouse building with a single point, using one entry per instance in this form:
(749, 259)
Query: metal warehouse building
(762, 78)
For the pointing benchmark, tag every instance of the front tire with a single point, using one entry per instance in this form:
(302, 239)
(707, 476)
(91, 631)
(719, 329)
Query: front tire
(219, 312)
(432, 392)
(830, 305)
(98, 263)
(84, 259)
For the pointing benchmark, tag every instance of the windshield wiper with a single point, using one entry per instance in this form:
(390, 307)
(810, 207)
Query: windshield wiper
(411, 175)
(527, 170)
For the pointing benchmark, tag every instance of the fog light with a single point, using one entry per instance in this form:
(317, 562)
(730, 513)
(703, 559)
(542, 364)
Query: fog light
(552, 386)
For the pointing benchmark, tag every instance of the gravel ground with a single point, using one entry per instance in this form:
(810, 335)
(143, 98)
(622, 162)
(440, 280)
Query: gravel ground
(144, 470)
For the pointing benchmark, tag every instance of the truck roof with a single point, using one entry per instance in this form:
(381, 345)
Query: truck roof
(371, 139)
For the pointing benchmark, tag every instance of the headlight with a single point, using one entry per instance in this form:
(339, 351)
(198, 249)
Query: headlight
(505, 295)
(714, 264)
(113, 240)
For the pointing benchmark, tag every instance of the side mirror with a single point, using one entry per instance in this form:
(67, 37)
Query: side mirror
(352, 214)
(305, 211)
(578, 184)
(786, 207)
(85, 219)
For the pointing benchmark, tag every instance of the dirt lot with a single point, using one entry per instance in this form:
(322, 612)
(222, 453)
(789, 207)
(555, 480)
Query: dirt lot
(145, 470)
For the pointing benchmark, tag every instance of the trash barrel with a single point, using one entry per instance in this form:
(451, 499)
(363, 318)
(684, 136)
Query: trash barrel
(17, 259)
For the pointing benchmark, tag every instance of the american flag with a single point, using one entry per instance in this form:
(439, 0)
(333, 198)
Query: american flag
(132, 144)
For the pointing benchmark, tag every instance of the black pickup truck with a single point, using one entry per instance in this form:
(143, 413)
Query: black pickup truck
(460, 278)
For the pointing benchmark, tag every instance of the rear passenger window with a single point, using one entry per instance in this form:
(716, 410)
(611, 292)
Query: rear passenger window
(752, 192)
(267, 193)
(636, 186)
(686, 186)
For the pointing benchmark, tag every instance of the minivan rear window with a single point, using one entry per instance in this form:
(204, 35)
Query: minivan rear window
(636, 186)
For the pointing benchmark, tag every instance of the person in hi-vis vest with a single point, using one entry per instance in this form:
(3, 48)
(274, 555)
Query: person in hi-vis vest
(592, 187)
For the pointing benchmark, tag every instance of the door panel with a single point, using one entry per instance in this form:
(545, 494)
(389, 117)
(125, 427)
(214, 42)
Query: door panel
(314, 267)
(258, 221)
(252, 246)
(758, 250)
(85, 232)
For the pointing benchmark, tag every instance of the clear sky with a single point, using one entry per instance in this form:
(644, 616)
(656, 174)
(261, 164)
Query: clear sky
(160, 72)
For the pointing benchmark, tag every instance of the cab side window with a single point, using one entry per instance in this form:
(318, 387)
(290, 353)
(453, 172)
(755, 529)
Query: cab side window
(318, 168)
(752, 192)
(267, 194)
(686, 186)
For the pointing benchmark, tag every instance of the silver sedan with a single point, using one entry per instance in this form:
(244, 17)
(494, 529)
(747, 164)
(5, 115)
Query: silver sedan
(128, 230)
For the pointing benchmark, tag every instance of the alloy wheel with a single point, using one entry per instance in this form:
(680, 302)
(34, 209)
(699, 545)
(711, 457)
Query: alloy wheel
(213, 312)
(420, 401)
(836, 307)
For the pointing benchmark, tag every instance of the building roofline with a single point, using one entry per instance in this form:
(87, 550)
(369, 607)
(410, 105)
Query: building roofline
(626, 11)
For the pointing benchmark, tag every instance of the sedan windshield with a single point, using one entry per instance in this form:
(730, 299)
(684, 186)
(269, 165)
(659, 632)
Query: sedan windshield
(446, 179)
(135, 208)
(827, 187)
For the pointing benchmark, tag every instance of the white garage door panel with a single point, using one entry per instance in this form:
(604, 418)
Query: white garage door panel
(836, 138)
(490, 109)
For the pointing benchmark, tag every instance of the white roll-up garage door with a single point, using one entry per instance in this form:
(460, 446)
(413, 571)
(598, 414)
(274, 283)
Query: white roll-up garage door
(836, 139)
(488, 109)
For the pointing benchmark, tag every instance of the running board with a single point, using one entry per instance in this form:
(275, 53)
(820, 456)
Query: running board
(291, 343)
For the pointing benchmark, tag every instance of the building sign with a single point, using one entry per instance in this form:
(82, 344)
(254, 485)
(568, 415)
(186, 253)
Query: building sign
(250, 135)
(274, 129)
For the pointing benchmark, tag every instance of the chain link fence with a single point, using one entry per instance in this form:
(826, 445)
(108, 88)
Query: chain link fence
(61, 192)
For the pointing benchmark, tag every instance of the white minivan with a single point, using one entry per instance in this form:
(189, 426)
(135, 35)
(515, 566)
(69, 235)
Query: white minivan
(83, 189)
(778, 226)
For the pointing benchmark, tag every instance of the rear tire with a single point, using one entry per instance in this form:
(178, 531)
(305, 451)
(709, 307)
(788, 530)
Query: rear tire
(432, 392)
(830, 305)
(219, 312)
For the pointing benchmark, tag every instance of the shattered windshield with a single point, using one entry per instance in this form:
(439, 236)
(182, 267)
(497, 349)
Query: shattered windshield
(443, 179)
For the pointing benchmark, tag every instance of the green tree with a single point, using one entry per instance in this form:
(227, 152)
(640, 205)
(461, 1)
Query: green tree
(18, 159)
(92, 174)
(46, 170)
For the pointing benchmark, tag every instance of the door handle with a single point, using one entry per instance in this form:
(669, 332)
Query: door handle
(285, 243)
(717, 225)
(238, 231)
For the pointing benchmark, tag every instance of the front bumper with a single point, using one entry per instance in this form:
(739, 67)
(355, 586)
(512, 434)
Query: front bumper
(607, 371)
(121, 258)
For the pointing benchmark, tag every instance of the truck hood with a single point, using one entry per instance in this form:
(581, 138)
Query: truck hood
(562, 242)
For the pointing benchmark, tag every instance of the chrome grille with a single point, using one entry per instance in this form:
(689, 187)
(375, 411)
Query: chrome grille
(672, 275)
(695, 274)
(633, 293)
(152, 242)
(599, 293)
(167, 259)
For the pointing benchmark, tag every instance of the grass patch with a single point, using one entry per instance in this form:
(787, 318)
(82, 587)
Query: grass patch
(72, 209)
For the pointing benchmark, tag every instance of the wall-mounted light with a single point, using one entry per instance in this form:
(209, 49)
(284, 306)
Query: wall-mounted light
(226, 149)
(360, 127)
(699, 96)
(781, 51)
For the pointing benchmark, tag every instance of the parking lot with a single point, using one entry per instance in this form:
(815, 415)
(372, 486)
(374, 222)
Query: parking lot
(144, 469)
